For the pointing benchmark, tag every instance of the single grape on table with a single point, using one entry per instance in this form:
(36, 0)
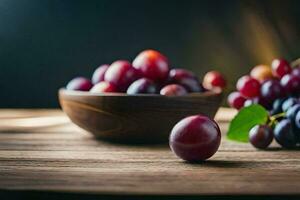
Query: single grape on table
(195, 138)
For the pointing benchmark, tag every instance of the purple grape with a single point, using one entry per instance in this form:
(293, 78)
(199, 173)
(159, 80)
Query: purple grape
(99, 73)
(80, 83)
(292, 111)
(289, 103)
(142, 86)
(297, 120)
(261, 136)
(173, 90)
(195, 138)
(296, 71)
(121, 74)
(185, 78)
(271, 90)
(285, 134)
(258, 100)
(291, 83)
(277, 106)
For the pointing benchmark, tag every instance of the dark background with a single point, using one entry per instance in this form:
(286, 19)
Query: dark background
(43, 44)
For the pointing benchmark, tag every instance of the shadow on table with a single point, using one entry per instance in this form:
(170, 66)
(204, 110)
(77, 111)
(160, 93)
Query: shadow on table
(281, 149)
(218, 163)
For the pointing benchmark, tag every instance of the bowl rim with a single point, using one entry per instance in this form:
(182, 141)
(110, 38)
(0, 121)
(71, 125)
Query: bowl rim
(208, 93)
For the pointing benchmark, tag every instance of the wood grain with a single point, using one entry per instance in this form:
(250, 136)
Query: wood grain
(65, 158)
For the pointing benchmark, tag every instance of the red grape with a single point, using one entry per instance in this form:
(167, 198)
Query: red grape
(195, 138)
(214, 79)
(152, 64)
(173, 90)
(236, 100)
(80, 83)
(121, 74)
(291, 83)
(248, 86)
(99, 73)
(281, 67)
(103, 87)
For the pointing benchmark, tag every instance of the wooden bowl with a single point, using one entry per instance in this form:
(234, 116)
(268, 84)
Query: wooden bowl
(134, 118)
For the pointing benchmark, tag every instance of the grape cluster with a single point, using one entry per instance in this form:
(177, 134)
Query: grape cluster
(284, 127)
(149, 73)
(277, 88)
(265, 85)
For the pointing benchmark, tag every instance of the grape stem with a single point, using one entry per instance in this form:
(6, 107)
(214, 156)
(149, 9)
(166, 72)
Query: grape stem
(273, 120)
(279, 115)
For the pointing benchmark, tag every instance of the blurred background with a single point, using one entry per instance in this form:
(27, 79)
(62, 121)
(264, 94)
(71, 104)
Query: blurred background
(43, 44)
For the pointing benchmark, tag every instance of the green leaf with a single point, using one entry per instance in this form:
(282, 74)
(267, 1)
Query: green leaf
(247, 117)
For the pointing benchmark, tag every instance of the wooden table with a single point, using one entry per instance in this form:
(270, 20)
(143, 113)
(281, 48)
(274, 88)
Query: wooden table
(41, 151)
